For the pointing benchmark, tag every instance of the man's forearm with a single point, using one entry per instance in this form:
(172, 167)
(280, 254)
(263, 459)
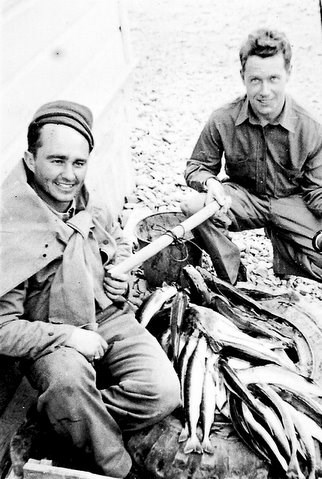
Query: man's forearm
(22, 338)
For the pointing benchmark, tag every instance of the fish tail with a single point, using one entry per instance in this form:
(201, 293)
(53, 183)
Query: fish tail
(184, 434)
(207, 447)
(193, 445)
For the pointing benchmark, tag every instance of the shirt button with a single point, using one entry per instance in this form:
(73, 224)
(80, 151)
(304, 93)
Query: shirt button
(105, 241)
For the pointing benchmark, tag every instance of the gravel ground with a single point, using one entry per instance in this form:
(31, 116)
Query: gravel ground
(187, 65)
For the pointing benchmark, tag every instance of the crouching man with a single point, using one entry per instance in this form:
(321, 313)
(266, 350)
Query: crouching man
(271, 149)
(96, 379)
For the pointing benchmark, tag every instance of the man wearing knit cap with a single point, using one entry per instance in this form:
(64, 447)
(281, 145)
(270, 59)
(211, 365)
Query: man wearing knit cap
(62, 311)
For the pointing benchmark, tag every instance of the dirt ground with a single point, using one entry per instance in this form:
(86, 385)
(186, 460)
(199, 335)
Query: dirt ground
(187, 65)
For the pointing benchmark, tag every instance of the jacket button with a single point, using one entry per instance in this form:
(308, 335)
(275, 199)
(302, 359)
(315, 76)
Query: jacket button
(51, 333)
(105, 241)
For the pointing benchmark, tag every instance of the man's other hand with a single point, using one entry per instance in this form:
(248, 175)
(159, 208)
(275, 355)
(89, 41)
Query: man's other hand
(215, 191)
(88, 343)
(115, 285)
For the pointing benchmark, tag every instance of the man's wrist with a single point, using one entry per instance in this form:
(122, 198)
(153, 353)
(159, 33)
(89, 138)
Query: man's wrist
(212, 178)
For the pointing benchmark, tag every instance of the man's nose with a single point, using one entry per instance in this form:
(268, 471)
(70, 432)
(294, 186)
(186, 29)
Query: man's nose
(68, 172)
(264, 88)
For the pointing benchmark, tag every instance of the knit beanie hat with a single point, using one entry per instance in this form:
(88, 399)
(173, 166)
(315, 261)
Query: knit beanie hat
(62, 112)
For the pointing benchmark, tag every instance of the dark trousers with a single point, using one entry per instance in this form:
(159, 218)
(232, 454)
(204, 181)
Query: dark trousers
(133, 386)
(288, 222)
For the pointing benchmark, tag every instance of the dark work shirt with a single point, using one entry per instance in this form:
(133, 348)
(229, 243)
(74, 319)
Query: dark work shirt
(277, 160)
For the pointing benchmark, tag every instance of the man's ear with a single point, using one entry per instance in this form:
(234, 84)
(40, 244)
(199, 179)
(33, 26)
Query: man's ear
(289, 71)
(242, 75)
(29, 160)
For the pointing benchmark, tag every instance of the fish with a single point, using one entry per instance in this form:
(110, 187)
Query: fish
(277, 404)
(200, 292)
(221, 390)
(248, 323)
(303, 403)
(236, 386)
(193, 384)
(208, 402)
(178, 306)
(154, 303)
(265, 437)
(242, 428)
(228, 290)
(310, 425)
(165, 341)
(222, 333)
(302, 425)
(236, 295)
(186, 352)
(277, 375)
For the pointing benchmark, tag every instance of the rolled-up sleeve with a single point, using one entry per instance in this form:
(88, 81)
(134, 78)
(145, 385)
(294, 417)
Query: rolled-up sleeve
(205, 161)
(22, 338)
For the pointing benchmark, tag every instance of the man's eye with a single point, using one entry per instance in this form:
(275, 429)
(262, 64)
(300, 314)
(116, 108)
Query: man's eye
(254, 80)
(58, 162)
(274, 78)
(80, 163)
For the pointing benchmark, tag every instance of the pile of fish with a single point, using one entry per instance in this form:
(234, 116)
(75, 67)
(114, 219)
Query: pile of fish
(236, 359)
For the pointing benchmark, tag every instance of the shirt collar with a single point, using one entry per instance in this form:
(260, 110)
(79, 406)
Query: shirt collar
(287, 118)
(67, 215)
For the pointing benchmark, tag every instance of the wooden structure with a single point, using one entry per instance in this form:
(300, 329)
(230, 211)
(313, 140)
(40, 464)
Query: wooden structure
(77, 50)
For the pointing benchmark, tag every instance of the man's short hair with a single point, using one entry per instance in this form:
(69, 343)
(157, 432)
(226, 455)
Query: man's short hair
(33, 137)
(266, 43)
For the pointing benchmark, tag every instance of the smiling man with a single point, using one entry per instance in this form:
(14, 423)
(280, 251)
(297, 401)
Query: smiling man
(271, 150)
(62, 311)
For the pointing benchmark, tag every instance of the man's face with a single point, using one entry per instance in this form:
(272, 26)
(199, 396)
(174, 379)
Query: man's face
(265, 80)
(59, 165)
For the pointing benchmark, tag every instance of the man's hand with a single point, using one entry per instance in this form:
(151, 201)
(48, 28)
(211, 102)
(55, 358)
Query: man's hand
(215, 191)
(88, 343)
(115, 285)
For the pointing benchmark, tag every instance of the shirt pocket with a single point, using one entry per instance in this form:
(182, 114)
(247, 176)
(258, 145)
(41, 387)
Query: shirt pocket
(241, 169)
(287, 180)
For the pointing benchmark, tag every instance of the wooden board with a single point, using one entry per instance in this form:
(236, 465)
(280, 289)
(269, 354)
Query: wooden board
(44, 470)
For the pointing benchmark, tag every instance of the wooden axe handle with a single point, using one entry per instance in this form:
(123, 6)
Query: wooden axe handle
(166, 239)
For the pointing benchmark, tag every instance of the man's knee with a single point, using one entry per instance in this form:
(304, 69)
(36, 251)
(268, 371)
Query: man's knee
(152, 400)
(192, 203)
(168, 394)
(61, 376)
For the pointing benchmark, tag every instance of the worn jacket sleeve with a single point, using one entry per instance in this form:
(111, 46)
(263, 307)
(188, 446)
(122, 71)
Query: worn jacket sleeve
(22, 338)
(312, 181)
(123, 244)
(206, 158)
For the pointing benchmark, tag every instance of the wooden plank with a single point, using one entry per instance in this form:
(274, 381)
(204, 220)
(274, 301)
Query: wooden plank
(12, 417)
(42, 470)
